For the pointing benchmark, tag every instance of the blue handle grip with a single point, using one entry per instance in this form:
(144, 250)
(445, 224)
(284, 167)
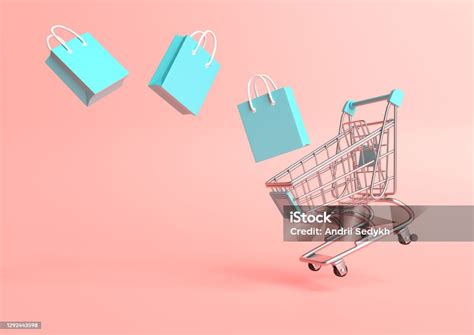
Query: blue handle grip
(395, 98)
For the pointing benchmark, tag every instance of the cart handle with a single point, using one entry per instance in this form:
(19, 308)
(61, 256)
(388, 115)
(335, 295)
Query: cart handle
(395, 98)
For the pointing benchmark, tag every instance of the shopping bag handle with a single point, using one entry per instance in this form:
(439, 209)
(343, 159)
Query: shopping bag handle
(395, 97)
(202, 40)
(60, 40)
(199, 32)
(264, 78)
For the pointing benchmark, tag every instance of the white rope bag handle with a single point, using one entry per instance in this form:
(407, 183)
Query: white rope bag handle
(265, 78)
(60, 40)
(200, 32)
(202, 40)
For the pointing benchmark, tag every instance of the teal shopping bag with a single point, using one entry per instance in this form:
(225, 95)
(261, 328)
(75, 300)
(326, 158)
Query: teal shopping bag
(368, 155)
(85, 66)
(186, 73)
(272, 122)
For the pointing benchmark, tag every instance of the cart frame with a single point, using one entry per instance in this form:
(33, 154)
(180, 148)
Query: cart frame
(361, 161)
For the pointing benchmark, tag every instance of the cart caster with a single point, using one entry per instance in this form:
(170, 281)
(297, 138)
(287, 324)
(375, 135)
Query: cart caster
(340, 269)
(313, 267)
(404, 237)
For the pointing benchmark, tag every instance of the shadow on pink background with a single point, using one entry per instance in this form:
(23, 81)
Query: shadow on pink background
(129, 218)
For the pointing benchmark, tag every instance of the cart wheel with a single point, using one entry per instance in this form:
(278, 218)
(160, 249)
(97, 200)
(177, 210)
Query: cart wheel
(405, 238)
(313, 267)
(402, 240)
(340, 271)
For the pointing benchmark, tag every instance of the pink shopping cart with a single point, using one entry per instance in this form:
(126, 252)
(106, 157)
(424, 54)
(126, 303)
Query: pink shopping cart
(353, 169)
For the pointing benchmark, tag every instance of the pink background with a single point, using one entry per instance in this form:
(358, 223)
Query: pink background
(129, 218)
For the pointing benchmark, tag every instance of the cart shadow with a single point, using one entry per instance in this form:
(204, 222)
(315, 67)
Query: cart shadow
(322, 281)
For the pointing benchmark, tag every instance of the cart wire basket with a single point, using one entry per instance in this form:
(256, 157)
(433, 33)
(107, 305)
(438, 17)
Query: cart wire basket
(355, 168)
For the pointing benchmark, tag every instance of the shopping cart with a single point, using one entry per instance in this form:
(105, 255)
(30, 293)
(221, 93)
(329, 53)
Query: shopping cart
(353, 169)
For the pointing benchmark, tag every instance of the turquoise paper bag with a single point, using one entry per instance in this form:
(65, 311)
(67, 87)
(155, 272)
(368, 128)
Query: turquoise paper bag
(368, 155)
(186, 73)
(85, 66)
(272, 122)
